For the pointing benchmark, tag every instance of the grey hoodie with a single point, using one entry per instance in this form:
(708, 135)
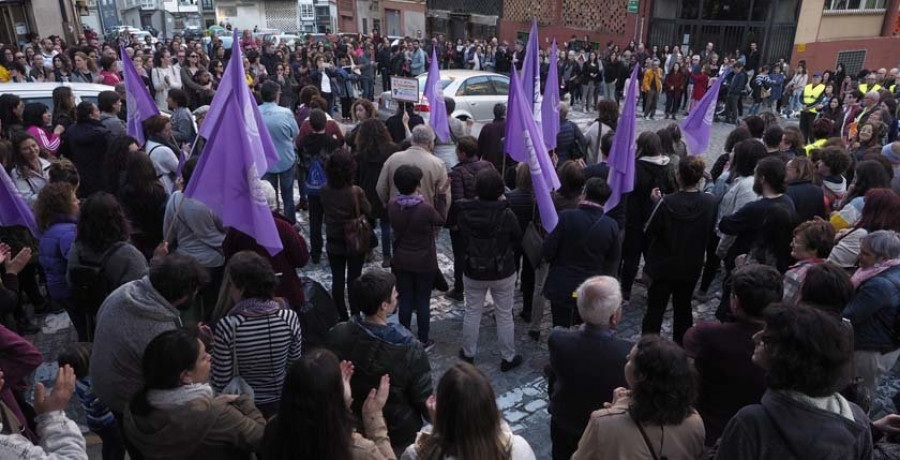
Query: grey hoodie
(128, 320)
(112, 122)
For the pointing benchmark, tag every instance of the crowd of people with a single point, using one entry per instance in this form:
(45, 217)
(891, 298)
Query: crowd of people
(195, 342)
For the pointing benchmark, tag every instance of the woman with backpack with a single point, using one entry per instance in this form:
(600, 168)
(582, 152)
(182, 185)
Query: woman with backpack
(162, 150)
(490, 231)
(101, 258)
(56, 212)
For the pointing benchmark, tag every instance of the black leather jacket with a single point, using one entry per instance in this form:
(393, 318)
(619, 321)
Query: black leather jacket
(410, 372)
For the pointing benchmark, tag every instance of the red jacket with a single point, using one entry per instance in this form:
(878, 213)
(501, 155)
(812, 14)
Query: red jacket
(285, 263)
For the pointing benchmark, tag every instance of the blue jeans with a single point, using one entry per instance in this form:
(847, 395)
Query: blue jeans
(284, 181)
(368, 88)
(386, 240)
(414, 294)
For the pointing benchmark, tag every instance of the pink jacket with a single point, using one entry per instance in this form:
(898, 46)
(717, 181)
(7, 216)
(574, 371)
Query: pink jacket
(47, 140)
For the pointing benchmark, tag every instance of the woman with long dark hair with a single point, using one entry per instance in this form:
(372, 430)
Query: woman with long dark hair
(116, 161)
(28, 171)
(144, 200)
(314, 419)
(373, 147)
(654, 415)
(162, 149)
(36, 119)
(102, 228)
(342, 202)
(466, 422)
(176, 414)
(62, 68)
(11, 110)
(63, 106)
(607, 120)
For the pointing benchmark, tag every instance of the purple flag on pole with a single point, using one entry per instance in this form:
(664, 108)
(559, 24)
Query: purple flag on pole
(13, 209)
(550, 104)
(138, 103)
(237, 153)
(621, 155)
(435, 94)
(530, 148)
(531, 73)
(697, 127)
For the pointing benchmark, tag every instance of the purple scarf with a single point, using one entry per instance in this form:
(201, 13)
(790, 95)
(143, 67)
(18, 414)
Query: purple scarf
(408, 201)
(256, 307)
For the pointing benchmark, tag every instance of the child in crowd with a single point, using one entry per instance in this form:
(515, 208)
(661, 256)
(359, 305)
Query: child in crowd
(99, 418)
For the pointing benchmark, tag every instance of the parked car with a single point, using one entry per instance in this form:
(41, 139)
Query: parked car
(475, 93)
(290, 40)
(43, 92)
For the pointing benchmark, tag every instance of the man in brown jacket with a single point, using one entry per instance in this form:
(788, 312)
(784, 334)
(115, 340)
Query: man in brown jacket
(434, 172)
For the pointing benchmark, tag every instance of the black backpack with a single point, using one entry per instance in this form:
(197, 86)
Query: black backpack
(317, 314)
(88, 286)
(486, 256)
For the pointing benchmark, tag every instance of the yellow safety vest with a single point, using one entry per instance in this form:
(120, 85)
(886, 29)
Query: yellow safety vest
(864, 88)
(811, 95)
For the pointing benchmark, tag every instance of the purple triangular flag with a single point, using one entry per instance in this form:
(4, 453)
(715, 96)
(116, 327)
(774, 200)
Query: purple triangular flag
(13, 208)
(236, 155)
(435, 95)
(697, 126)
(550, 104)
(531, 73)
(530, 148)
(138, 103)
(621, 155)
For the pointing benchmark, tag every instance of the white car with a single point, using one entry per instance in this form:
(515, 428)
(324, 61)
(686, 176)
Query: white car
(43, 92)
(475, 93)
(288, 39)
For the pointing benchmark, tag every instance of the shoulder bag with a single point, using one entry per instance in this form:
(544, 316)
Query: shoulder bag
(357, 231)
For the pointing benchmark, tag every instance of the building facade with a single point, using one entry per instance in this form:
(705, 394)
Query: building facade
(143, 13)
(283, 15)
(388, 17)
(18, 18)
(861, 34)
(463, 19)
(596, 21)
(729, 24)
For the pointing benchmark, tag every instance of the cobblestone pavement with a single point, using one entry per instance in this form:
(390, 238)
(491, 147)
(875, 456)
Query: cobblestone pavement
(522, 392)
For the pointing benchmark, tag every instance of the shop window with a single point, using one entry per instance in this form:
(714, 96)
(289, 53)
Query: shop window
(853, 5)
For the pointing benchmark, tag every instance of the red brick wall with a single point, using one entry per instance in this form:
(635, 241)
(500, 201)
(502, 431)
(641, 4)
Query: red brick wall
(882, 52)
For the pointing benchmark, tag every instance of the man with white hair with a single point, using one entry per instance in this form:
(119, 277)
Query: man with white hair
(434, 172)
(585, 363)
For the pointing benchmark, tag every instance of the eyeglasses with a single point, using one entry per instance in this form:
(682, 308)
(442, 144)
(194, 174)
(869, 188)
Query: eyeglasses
(20, 57)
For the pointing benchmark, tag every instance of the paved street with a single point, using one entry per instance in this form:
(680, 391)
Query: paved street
(521, 393)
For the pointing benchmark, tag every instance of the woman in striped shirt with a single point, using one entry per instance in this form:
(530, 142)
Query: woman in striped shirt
(259, 338)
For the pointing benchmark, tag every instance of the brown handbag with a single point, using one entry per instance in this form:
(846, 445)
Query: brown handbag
(357, 231)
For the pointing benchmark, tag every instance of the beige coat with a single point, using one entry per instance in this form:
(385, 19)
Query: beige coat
(434, 174)
(612, 433)
(378, 445)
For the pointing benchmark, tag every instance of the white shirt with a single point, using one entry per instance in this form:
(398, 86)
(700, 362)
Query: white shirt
(48, 58)
(326, 83)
